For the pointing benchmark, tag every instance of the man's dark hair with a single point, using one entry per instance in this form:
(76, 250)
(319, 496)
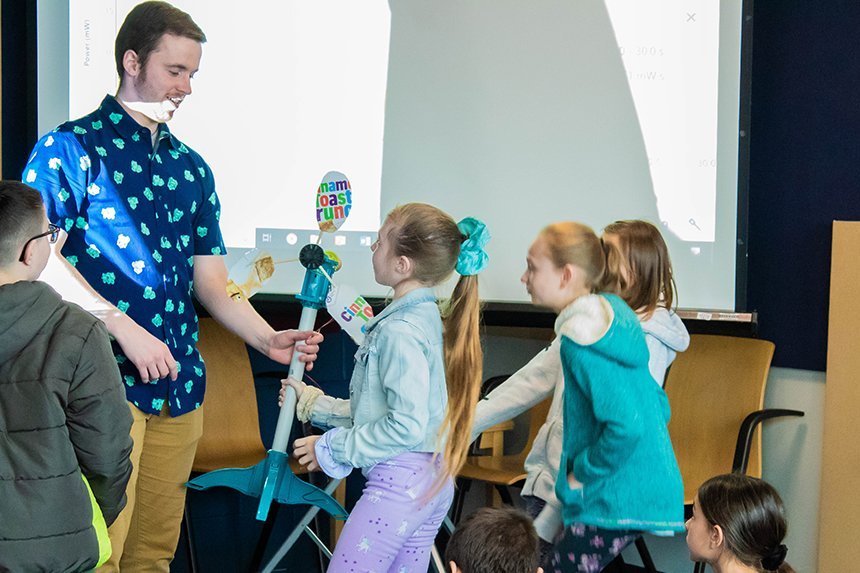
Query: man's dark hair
(495, 540)
(146, 24)
(21, 211)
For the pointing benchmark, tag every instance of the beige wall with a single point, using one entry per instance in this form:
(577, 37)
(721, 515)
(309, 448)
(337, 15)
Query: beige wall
(792, 458)
(840, 499)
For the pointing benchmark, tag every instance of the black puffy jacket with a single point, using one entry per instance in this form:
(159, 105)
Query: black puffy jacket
(62, 413)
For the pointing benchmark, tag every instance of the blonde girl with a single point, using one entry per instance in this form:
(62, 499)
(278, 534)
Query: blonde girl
(639, 270)
(618, 476)
(401, 411)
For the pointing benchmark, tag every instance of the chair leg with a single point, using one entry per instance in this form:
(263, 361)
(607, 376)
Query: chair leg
(505, 494)
(189, 538)
(263, 541)
(463, 486)
(436, 563)
(645, 555)
(313, 479)
(324, 557)
(617, 565)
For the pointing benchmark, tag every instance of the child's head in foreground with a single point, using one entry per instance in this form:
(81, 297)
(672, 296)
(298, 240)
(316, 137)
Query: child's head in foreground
(494, 540)
(738, 521)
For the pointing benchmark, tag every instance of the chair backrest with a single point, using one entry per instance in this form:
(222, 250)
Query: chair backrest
(712, 387)
(537, 418)
(537, 415)
(231, 426)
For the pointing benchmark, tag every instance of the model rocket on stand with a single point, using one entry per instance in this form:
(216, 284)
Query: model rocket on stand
(271, 479)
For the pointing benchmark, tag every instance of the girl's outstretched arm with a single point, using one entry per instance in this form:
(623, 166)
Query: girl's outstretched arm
(526, 388)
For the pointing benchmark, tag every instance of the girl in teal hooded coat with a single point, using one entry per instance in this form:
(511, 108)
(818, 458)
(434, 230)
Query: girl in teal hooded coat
(618, 476)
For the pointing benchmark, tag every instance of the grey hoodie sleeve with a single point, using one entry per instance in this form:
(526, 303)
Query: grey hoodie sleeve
(529, 386)
(99, 422)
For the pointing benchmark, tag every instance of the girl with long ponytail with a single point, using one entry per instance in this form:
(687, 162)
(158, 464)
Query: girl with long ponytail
(412, 394)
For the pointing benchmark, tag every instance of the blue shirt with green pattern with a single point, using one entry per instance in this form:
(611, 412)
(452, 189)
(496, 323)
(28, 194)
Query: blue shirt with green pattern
(136, 214)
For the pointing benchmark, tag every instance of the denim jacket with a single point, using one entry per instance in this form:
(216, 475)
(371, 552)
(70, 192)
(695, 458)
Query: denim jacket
(397, 392)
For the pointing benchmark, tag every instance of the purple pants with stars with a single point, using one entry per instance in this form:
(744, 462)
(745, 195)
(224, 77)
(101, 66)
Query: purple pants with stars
(394, 523)
(588, 549)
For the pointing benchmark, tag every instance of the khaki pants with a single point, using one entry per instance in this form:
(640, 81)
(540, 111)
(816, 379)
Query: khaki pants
(145, 535)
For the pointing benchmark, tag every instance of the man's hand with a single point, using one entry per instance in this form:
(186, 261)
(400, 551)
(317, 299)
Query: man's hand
(149, 354)
(304, 451)
(281, 344)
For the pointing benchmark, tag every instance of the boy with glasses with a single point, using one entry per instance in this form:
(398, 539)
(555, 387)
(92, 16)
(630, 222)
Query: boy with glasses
(63, 414)
(53, 233)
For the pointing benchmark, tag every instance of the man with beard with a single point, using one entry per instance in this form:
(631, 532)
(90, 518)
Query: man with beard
(140, 215)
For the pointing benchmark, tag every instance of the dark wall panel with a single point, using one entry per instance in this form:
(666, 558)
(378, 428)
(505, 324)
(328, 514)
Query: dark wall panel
(805, 166)
(19, 84)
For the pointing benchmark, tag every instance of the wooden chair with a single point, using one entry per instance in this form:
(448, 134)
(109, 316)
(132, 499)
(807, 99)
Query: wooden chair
(716, 391)
(231, 425)
(501, 471)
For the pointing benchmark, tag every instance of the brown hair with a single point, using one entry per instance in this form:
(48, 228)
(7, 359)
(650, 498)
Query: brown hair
(431, 239)
(145, 25)
(576, 244)
(21, 211)
(643, 251)
(494, 540)
(752, 517)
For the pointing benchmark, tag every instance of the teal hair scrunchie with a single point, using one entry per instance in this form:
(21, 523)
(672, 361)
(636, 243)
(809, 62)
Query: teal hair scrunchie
(473, 259)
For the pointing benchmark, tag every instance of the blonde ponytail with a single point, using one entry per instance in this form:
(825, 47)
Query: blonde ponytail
(463, 371)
